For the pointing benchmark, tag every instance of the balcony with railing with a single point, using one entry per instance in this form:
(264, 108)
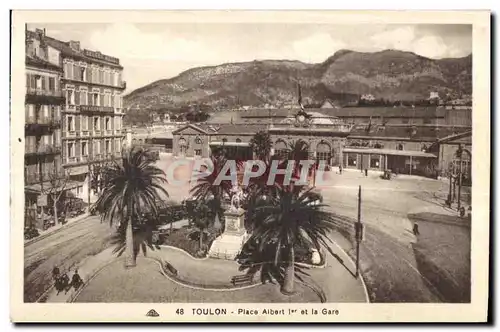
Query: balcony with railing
(44, 176)
(42, 149)
(95, 109)
(34, 122)
(44, 96)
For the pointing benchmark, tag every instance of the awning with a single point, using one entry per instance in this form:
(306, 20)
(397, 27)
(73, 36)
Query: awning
(392, 152)
(230, 143)
(37, 188)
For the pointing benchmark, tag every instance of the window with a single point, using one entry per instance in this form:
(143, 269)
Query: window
(52, 84)
(97, 126)
(197, 152)
(83, 74)
(108, 146)
(101, 76)
(406, 120)
(108, 124)
(77, 97)
(84, 122)
(70, 123)
(117, 145)
(352, 159)
(238, 140)
(399, 147)
(70, 97)
(112, 102)
(71, 149)
(97, 147)
(198, 140)
(76, 71)
(85, 151)
(83, 98)
(374, 161)
(427, 120)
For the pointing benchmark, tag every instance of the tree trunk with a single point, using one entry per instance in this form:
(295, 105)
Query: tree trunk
(201, 238)
(130, 259)
(288, 283)
(56, 220)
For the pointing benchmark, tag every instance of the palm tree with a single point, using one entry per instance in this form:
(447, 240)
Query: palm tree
(261, 144)
(287, 219)
(132, 187)
(206, 188)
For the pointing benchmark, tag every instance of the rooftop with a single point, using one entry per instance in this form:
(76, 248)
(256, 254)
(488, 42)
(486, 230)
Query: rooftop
(83, 54)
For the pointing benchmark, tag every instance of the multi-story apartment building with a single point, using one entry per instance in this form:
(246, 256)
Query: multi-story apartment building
(93, 111)
(43, 103)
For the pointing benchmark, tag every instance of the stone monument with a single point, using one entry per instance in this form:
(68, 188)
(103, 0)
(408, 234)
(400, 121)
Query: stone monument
(234, 236)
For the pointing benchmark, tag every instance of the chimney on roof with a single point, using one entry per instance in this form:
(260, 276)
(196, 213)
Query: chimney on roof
(40, 32)
(75, 45)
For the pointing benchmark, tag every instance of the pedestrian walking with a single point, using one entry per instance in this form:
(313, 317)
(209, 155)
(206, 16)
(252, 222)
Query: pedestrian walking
(415, 228)
(55, 273)
(340, 169)
(76, 280)
(366, 171)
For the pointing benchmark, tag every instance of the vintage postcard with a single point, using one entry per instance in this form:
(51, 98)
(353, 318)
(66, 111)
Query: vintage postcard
(238, 166)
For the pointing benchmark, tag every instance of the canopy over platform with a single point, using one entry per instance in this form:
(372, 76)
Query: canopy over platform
(392, 152)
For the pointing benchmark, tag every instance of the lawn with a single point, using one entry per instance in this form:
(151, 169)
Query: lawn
(186, 238)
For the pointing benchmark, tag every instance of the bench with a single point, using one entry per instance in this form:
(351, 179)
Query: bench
(242, 279)
(170, 269)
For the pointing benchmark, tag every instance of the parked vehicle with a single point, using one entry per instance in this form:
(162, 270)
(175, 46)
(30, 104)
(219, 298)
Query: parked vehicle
(30, 233)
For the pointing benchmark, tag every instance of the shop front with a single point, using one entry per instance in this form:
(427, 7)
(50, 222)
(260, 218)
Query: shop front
(397, 161)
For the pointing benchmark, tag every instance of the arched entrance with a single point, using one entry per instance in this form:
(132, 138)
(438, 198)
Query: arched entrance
(324, 152)
(280, 149)
(182, 146)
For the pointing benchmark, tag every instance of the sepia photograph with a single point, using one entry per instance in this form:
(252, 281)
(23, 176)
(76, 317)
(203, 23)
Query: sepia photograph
(240, 166)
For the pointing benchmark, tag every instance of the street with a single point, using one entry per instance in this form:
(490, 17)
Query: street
(397, 265)
(65, 248)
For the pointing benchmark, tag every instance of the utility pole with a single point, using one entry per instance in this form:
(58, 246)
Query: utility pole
(460, 152)
(359, 232)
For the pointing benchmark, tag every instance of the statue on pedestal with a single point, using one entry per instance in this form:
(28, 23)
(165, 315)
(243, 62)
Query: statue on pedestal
(236, 198)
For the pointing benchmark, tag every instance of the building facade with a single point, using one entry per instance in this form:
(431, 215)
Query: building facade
(44, 101)
(355, 139)
(92, 114)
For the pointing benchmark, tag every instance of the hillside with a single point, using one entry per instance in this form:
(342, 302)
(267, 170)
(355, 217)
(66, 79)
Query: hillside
(389, 74)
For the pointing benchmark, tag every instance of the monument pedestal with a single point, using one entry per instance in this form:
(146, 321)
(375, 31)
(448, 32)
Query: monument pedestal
(229, 243)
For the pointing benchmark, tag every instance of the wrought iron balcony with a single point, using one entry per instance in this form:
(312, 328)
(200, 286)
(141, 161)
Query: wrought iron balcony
(44, 92)
(42, 96)
(95, 109)
(34, 122)
(46, 176)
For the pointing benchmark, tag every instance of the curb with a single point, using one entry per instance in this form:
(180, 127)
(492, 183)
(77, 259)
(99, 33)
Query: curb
(181, 283)
(354, 264)
(68, 224)
(74, 296)
(185, 252)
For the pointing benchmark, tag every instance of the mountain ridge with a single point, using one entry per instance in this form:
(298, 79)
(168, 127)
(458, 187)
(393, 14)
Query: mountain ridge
(389, 74)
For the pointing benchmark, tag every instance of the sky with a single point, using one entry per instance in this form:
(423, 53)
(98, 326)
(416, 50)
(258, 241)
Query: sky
(153, 51)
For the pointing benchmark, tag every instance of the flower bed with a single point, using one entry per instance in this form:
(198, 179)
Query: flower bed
(185, 238)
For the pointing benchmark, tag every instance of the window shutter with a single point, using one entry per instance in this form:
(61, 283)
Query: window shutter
(78, 123)
(77, 97)
(78, 150)
(28, 81)
(43, 78)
